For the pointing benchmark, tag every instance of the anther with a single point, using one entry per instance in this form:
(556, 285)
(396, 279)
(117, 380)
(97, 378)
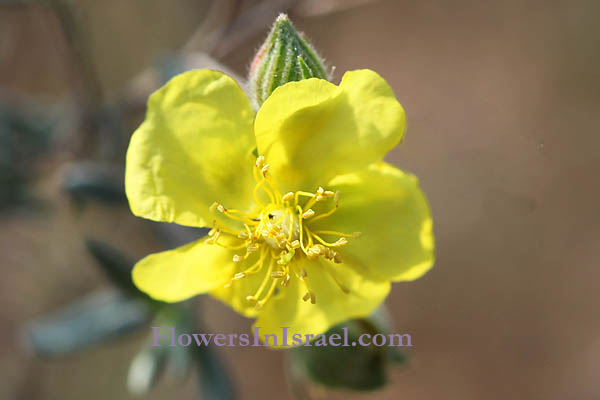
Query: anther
(295, 244)
(220, 208)
(308, 213)
(237, 258)
(277, 274)
(288, 196)
(260, 162)
(213, 238)
(239, 275)
(242, 235)
(265, 169)
(336, 197)
(310, 295)
(340, 242)
(252, 248)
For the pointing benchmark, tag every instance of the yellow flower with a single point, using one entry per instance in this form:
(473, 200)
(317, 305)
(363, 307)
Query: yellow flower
(306, 235)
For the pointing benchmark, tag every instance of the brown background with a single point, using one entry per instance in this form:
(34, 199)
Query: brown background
(503, 102)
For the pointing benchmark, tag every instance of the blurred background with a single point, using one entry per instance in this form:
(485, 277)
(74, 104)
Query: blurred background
(503, 107)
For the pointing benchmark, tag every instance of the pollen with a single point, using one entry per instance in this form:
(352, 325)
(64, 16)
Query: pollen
(277, 234)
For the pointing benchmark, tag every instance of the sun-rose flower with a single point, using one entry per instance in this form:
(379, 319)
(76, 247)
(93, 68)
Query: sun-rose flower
(308, 226)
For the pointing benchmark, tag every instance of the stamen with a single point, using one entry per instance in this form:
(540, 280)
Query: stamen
(260, 162)
(277, 274)
(350, 235)
(213, 238)
(288, 196)
(309, 294)
(214, 228)
(277, 230)
(257, 266)
(317, 197)
(258, 186)
(336, 199)
(308, 213)
(265, 169)
(340, 242)
(300, 193)
(263, 283)
(262, 302)
(337, 258)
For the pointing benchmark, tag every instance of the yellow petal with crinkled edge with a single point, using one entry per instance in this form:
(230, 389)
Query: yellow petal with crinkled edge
(387, 206)
(332, 304)
(312, 130)
(181, 273)
(193, 148)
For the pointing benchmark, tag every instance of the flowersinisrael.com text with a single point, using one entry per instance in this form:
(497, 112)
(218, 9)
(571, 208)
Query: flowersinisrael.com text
(168, 336)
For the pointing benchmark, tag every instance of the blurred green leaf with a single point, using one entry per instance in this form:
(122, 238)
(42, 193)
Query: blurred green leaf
(215, 382)
(114, 264)
(146, 369)
(97, 318)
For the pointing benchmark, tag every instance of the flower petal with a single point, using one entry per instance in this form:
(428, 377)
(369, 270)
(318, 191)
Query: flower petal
(184, 272)
(193, 148)
(332, 304)
(388, 208)
(312, 130)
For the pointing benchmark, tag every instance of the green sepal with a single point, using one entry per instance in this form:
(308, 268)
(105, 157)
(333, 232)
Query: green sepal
(285, 56)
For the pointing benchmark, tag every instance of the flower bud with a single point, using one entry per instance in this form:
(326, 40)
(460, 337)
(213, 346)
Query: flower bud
(285, 56)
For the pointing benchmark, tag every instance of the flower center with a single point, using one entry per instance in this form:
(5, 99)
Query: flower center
(277, 234)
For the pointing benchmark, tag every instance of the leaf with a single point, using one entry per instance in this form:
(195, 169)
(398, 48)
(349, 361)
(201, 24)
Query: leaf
(146, 369)
(97, 318)
(113, 263)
